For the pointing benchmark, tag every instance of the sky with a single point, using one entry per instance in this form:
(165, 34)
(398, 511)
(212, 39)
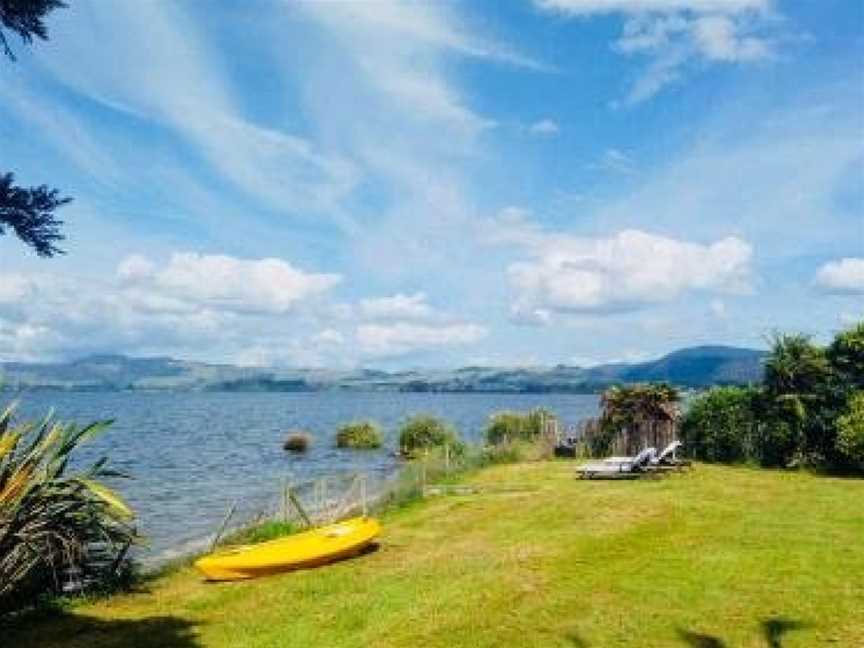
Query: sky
(436, 184)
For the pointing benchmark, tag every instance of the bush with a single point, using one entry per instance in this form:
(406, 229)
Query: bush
(777, 442)
(297, 442)
(52, 521)
(846, 355)
(850, 431)
(425, 431)
(514, 426)
(720, 425)
(359, 435)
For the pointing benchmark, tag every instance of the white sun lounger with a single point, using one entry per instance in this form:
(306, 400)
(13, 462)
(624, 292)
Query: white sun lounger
(665, 458)
(629, 468)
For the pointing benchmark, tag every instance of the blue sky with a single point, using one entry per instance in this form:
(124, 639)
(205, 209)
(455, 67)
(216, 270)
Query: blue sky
(437, 184)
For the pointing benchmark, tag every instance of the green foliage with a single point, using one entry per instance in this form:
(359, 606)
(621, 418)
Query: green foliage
(626, 406)
(846, 355)
(801, 390)
(505, 427)
(850, 431)
(50, 520)
(425, 431)
(261, 532)
(777, 442)
(510, 452)
(364, 435)
(795, 366)
(720, 425)
(805, 411)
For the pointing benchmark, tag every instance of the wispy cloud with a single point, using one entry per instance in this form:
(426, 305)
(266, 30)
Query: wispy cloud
(546, 127)
(587, 7)
(399, 306)
(402, 338)
(161, 69)
(675, 34)
(615, 161)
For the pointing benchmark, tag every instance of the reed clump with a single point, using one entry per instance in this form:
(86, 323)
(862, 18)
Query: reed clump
(297, 441)
(359, 435)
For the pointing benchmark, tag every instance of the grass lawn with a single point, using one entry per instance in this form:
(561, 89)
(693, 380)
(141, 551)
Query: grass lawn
(717, 557)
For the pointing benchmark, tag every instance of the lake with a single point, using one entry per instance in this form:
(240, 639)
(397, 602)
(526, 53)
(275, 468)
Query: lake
(193, 453)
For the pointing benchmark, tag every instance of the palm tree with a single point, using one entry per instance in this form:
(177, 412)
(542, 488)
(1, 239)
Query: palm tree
(797, 378)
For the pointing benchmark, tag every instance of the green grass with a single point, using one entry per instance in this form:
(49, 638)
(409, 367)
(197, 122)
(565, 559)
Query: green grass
(537, 558)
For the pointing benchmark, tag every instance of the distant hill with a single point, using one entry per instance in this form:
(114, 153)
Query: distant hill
(693, 367)
(698, 366)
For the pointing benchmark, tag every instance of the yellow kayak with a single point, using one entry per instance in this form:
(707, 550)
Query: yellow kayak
(307, 549)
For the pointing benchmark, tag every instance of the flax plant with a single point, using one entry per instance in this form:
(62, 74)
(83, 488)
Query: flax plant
(54, 520)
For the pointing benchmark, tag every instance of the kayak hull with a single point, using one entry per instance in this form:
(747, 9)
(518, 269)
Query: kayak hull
(301, 551)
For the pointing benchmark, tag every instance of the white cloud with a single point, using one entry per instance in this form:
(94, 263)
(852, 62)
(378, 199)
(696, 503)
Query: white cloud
(675, 34)
(545, 127)
(399, 306)
(270, 285)
(586, 7)
(328, 337)
(717, 38)
(150, 61)
(616, 161)
(718, 308)
(15, 288)
(401, 338)
(571, 274)
(842, 276)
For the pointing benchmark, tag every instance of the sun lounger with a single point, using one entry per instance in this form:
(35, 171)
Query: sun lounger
(630, 467)
(666, 459)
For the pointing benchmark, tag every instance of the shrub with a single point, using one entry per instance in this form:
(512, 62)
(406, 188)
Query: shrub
(360, 435)
(297, 442)
(850, 431)
(425, 431)
(846, 355)
(504, 426)
(600, 443)
(52, 521)
(777, 442)
(720, 425)
(514, 426)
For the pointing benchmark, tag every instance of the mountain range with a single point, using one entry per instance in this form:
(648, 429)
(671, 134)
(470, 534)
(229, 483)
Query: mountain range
(693, 367)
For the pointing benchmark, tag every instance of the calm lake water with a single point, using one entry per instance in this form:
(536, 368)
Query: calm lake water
(192, 454)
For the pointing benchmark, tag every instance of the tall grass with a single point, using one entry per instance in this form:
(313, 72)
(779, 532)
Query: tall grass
(54, 521)
(438, 465)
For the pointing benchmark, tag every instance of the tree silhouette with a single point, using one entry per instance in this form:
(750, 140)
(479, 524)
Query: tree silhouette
(29, 212)
(25, 18)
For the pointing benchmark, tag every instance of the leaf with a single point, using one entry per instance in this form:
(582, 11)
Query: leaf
(108, 496)
(8, 442)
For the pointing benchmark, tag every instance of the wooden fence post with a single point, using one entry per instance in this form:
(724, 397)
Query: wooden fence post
(222, 526)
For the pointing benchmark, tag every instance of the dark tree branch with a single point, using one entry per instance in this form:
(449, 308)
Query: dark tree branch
(25, 18)
(30, 214)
